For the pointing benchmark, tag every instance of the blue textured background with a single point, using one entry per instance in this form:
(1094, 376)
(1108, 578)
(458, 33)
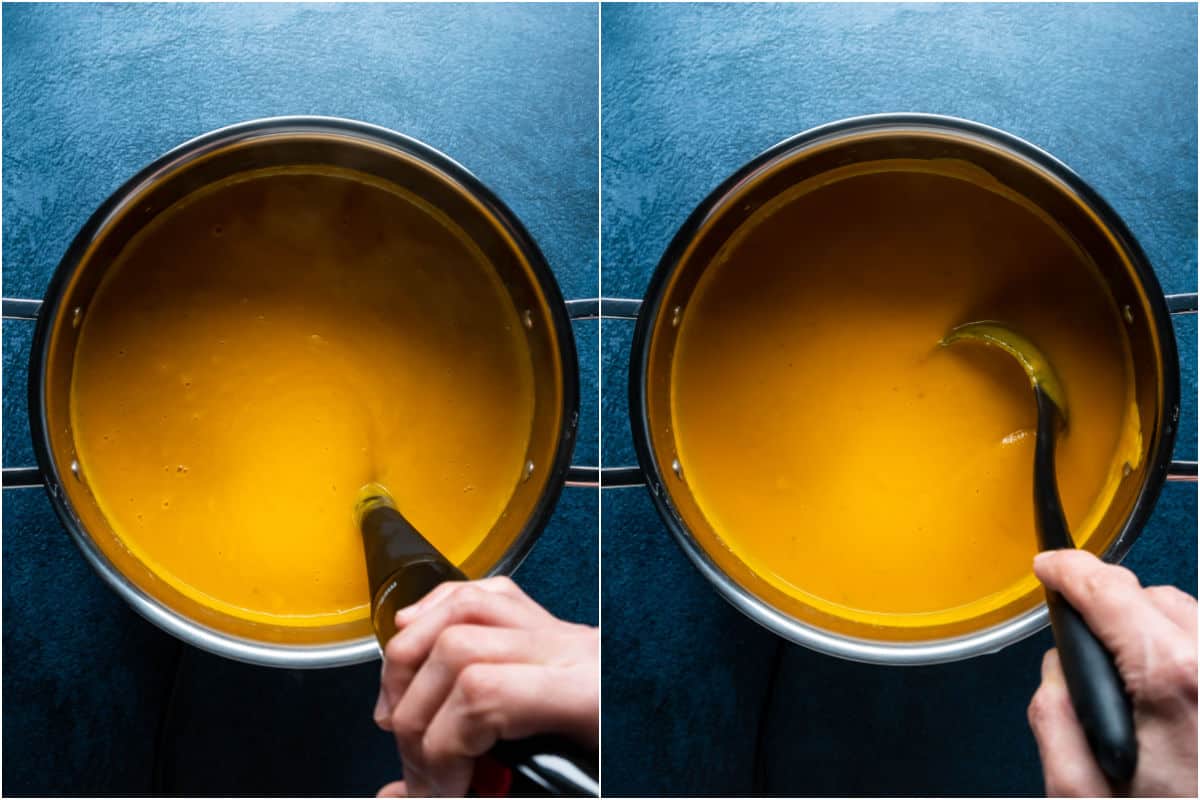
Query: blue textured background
(690, 93)
(91, 94)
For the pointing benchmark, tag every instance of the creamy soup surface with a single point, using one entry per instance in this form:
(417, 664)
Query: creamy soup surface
(842, 455)
(265, 348)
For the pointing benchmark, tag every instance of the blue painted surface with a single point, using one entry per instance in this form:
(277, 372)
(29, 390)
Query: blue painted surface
(690, 93)
(91, 94)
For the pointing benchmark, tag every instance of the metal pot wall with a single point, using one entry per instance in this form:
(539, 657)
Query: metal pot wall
(287, 142)
(1030, 172)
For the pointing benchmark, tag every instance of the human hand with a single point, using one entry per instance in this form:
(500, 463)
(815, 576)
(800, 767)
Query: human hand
(1152, 636)
(475, 662)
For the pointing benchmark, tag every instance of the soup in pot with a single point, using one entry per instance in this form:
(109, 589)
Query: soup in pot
(267, 346)
(845, 458)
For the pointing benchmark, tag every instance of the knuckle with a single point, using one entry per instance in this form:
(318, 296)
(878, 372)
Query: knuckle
(398, 651)
(468, 600)
(435, 753)
(478, 688)
(1106, 577)
(455, 645)
(1182, 668)
(505, 584)
(1173, 674)
(1171, 600)
(1045, 707)
(1036, 712)
(1093, 584)
(492, 722)
(1170, 594)
(406, 729)
(1121, 575)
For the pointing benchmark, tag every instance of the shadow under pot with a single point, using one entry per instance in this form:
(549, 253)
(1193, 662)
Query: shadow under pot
(259, 323)
(834, 473)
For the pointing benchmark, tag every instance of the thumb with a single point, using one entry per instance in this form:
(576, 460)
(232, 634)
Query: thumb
(1112, 603)
(393, 789)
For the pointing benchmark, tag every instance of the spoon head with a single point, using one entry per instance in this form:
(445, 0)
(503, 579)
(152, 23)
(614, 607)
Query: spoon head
(1037, 367)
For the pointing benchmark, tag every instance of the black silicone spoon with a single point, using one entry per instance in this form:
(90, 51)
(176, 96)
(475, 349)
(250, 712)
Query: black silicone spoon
(402, 567)
(1096, 689)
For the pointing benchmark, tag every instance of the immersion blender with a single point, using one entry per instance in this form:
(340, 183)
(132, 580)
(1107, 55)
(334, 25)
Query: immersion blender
(402, 567)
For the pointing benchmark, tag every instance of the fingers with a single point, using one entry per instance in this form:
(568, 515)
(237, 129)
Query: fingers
(383, 703)
(393, 789)
(1067, 760)
(473, 662)
(1113, 604)
(500, 584)
(1179, 607)
(456, 648)
(467, 603)
(416, 779)
(490, 702)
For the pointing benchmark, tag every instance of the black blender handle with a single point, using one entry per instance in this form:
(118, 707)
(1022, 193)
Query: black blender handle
(402, 568)
(548, 765)
(1093, 682)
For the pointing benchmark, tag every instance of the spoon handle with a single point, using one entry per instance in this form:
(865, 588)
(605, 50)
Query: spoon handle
(1096, 689)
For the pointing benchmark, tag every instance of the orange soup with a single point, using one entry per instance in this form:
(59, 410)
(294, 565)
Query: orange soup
(837, 451)
(266, 347)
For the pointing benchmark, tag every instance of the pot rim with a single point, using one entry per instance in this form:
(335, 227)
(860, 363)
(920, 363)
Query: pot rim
(903, 653)
(236, 647)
